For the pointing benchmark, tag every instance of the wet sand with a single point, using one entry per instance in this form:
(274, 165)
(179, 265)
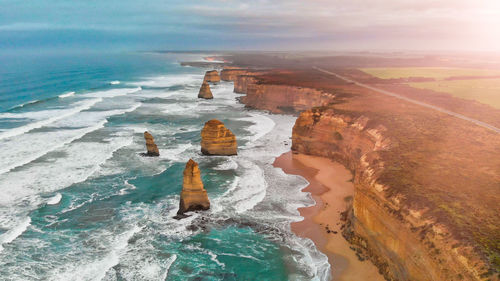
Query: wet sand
(331, 188)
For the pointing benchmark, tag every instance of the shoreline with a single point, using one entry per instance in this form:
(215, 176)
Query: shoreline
(330, 186)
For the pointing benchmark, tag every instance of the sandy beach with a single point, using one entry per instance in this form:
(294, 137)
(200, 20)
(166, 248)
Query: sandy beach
(331, 188)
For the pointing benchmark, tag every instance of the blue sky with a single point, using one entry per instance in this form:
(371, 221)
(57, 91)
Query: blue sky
(260, 24)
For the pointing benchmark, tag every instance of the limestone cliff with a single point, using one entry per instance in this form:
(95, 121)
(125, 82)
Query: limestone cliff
(193, 196)
(152, 149)
(216, 139)
(413, 223)
(230, 73)
(283, 98)
(242, 81)
(205, 92)
(278, 98)
(403, 243)
(211, 76)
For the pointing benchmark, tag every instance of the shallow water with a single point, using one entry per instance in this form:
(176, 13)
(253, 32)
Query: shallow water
(78, 202)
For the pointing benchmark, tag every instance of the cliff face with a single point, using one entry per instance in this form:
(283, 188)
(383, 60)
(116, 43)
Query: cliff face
(278, 98)
(422, 208)
(216, 139)
(205, 92)
(152, 149)
(284, 98)
(193, 196)
(230, 73)
(211, 76)
(398, 239)
(241, 83)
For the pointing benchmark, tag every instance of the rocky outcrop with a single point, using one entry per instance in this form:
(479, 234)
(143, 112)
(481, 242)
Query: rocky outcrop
(398, 239)
(230, 73)
(278, 98)
(205, 92)
(216, 139)
(193, 196)
(241, 83)
(211, 76)
(283, 98)
(152, 149)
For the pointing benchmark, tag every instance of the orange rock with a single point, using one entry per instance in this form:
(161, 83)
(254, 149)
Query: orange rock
(230, 73)
(193, 196)
(279, 98)
(205, 92)
(212, 76)
(216, 139)
(150, 145)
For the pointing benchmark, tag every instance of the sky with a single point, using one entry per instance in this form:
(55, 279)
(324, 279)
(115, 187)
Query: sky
(360, 25)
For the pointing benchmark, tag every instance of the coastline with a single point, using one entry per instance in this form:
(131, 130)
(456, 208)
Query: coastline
(330, 186)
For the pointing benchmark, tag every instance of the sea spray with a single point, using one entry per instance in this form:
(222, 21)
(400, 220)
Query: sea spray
(114, 217)
(14, 232)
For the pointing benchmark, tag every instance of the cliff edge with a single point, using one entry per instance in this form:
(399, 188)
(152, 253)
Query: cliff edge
(423, 209)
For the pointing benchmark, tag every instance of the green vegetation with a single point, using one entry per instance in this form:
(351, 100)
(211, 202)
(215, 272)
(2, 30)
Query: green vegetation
(483, 90)
(428, 72)
(486, 91)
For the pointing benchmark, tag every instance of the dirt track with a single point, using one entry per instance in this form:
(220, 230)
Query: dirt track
(463, 117)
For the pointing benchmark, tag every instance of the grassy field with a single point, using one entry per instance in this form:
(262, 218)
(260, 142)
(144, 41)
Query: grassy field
(486, 91)
(428, 72)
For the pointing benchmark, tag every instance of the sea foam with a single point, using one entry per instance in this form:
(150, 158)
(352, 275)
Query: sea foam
(112, 93)
(262, 125)
(168, 81)
(97, 269)
(55, 199)
(38, 124)
(70, 94)
(33, 146)
(15, 232)
(62, 172)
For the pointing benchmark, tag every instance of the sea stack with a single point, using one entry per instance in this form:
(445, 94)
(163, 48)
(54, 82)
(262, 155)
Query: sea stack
(212, 76)
(216, 139)
(151, 145)
(193, 196)
(205, 92)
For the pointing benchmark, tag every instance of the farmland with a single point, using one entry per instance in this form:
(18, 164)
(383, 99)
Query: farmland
(437, 73)
(486, 91)
(481, 85)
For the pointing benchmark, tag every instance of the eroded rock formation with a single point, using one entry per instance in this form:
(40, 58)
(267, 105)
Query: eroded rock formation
(241, 83)
(230, 73)
(278, 98)
(390, 220)
(216, 139)
(211, 76)
(284, 98)
(399, 240)
(152, 149)
(193, 196)
(205, 92)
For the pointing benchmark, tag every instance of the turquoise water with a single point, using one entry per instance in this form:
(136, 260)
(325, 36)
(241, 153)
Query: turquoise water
(78, 202)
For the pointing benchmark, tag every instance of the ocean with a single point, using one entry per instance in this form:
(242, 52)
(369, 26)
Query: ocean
(79, 202)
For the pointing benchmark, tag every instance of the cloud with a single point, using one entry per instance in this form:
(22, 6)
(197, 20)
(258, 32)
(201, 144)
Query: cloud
(359, 24)
(424, 23)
